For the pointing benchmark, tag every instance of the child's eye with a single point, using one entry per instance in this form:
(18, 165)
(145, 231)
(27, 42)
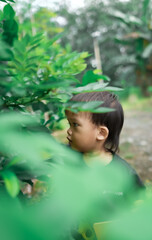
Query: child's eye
(75, 125)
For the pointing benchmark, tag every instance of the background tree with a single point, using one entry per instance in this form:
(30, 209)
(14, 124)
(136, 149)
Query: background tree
(111, 20)
(137, 42)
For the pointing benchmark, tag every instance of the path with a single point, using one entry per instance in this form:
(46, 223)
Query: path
(136, 142)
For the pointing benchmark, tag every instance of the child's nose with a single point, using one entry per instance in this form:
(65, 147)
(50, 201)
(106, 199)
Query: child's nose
(69, 132)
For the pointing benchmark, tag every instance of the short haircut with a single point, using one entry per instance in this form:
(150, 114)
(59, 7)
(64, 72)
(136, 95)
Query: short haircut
(112, 120)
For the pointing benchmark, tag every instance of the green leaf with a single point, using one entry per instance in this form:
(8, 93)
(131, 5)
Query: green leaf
(5, 52)
(147, 51)
(104, 77)
(40, 106)
(113, 89)
(11, 182)
(12, 120)
(145, 9)
(8, 12)
(48, 85)
(89, 77)
(103, 110)
(84, 55)
(125, 18)
(33, 47)
(10, 26)
(93, 107)
(83, 106)
(57, 37)
(96, 87)
(1, 16)
(11, 1)
(90, 105)
(36, 39)
(10, 32)
(14, 161)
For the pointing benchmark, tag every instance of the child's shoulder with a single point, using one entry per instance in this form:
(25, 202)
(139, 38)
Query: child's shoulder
(123, 165)
(117, 160)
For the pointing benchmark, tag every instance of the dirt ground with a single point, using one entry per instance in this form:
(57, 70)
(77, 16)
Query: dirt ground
(136, 142)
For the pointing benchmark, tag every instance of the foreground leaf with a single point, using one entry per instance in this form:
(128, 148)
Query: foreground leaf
(11, 182)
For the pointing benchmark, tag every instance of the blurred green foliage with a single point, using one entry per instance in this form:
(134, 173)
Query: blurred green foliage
(132, 224)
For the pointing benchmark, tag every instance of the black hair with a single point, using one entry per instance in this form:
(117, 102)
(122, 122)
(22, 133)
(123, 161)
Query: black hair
(112, 120)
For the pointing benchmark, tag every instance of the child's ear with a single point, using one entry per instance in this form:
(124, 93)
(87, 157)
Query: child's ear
(103, 133)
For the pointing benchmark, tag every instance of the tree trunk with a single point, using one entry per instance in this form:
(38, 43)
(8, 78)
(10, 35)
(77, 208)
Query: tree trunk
(144, 80)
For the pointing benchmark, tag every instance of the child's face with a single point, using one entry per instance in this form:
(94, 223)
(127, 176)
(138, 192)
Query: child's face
(82, 133)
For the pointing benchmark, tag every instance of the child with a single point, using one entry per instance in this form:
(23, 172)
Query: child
(98, 133)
